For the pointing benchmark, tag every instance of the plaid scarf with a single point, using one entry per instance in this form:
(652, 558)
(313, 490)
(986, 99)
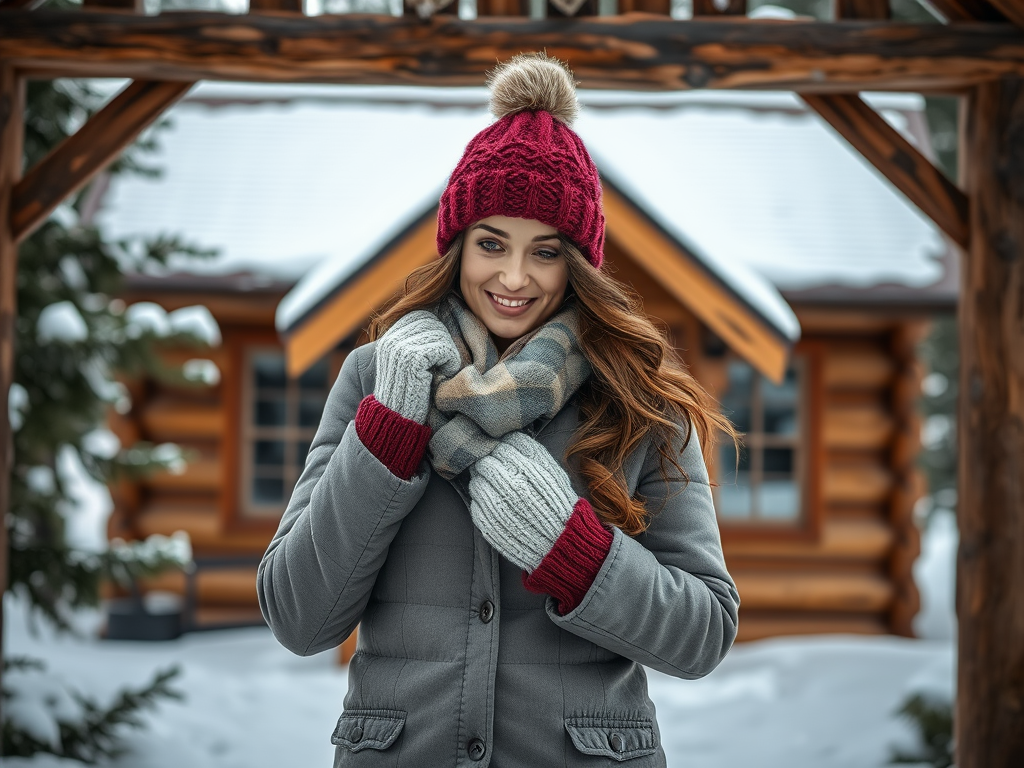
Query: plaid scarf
(496, 394)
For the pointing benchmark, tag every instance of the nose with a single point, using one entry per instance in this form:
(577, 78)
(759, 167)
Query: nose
(513, 276)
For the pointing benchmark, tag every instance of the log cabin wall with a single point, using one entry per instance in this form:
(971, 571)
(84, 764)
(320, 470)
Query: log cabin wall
(843, 565)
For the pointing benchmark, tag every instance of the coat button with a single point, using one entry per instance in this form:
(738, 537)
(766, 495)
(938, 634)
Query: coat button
(476, 750)
(487, 612)
(356, 734)
(617, 742)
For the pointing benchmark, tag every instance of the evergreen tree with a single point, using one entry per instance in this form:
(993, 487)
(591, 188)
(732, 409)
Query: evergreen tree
(74, 338)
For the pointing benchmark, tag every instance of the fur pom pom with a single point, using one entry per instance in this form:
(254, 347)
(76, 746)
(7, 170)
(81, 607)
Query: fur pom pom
(533, 81)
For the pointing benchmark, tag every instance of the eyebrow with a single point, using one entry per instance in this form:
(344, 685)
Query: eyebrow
(501, 233)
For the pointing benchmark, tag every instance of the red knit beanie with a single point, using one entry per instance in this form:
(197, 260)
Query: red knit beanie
(529, 164)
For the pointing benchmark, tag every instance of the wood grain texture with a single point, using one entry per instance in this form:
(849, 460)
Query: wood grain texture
(275, 6)
(862, 9)
(990, 600)
(635, 51)
(1011, 9)
(660, 7)
(768, 590)
(12, 118)
(896, 159)
(756, 625)
(81, 156)
(857, 367)
(958, 11)
(128, 6)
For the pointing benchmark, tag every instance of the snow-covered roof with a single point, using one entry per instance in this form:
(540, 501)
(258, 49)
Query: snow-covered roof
(283, 178)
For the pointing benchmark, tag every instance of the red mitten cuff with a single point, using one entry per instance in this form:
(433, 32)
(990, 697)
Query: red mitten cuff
(397, 442)
(568, 570)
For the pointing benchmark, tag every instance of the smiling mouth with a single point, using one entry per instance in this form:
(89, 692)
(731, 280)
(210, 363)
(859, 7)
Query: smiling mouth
(510, 303)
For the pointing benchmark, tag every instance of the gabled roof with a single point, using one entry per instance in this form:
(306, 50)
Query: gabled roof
(744, 309)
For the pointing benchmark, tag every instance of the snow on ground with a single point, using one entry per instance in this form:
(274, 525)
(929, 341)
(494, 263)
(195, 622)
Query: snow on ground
(810, 702)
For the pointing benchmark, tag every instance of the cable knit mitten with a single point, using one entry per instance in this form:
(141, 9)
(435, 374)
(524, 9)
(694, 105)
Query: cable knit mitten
(406, 358)
(392, 421)
(521, 499)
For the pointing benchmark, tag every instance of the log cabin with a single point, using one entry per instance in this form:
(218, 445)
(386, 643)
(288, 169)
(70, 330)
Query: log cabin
(971, 49)
(791, 276)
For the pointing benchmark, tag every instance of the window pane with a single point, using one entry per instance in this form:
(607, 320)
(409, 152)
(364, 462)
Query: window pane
(269, 452)
(739, 395)
(315, 377)
(778, 460)
(268, 370)
(311, 407)
(780, 404)
(780, 499)
(301, 449)
(270, 413)
(732, 497)
(268, 490)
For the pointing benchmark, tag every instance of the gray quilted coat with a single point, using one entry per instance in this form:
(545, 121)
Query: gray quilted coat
(457, 664)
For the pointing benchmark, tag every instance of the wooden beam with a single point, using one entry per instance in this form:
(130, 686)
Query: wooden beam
(78, 158)
(12, 121)
(636, 52)
(275, 6)
(862, 9)
(990, 563)
(896, 159)
(27, 5)
(124, 6)
(1011, 9)
(957, 11)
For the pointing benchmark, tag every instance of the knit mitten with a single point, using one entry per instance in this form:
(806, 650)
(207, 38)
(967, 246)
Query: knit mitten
(406, 358)
(520, 499)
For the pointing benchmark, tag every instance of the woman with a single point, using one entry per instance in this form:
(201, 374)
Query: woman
(507, 488)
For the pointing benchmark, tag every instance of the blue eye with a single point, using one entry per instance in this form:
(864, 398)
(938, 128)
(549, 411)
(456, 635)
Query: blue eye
(548, 255)
(489, 245)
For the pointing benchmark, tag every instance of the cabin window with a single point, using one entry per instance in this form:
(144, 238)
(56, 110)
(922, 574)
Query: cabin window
(766, 484)
(280, 416)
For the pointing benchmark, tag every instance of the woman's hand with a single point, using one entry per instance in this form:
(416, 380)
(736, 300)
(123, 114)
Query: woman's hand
(407, 356)
(521, 499)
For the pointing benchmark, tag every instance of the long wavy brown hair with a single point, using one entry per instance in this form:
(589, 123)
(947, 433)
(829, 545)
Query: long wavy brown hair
(639, 384)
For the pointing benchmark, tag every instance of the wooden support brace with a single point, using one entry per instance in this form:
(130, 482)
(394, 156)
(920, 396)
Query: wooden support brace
(896, 159)
(72, 164)
(966, 10)
(1011, 9)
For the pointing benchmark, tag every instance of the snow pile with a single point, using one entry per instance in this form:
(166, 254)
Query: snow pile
(61, 322)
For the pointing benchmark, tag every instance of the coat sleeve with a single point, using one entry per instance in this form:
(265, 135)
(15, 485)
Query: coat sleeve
(315, 579)
(665, 598)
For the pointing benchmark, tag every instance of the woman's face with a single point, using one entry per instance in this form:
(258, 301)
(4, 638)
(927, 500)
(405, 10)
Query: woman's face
(513, 275)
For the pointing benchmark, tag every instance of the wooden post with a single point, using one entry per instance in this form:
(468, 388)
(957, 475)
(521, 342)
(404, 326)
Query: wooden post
(990, 563)
(12, 109)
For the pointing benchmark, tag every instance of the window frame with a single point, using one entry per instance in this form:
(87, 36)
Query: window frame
(236, 444)
(811, 462)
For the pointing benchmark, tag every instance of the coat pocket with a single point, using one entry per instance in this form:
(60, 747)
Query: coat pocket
(360, 729)
(611, 737)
